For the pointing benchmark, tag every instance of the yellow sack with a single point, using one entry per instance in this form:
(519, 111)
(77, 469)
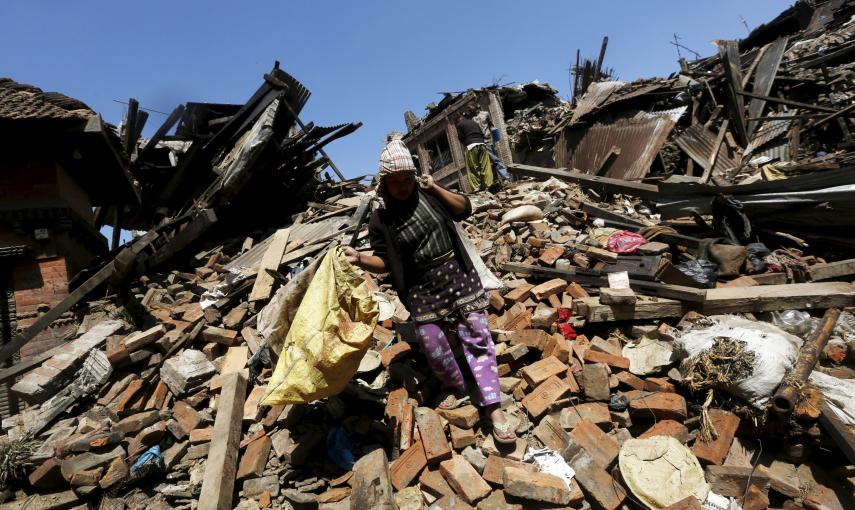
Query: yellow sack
(330, 334)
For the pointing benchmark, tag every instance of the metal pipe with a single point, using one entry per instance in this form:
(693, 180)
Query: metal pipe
(785, 398)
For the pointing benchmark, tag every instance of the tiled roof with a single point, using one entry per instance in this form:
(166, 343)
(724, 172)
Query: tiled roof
(24, 102)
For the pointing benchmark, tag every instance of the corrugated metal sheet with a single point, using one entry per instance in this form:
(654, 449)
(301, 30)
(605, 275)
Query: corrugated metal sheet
(639, 141)
(674, 113)
(779, 151)
(306, 232)
(770, 130)
(697, 141)
(597, 94)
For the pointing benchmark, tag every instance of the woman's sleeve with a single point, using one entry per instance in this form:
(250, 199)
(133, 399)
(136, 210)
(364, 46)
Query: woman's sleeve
(377, 239)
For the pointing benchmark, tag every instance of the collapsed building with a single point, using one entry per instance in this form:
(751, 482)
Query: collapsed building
(671, 303)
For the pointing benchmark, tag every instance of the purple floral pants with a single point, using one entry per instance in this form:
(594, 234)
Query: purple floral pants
(477, 343)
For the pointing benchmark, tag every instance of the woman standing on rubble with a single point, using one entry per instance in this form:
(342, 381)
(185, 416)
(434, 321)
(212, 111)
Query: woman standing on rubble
(414, 239)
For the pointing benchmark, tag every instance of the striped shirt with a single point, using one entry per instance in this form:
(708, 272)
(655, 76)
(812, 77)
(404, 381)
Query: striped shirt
(421, 231)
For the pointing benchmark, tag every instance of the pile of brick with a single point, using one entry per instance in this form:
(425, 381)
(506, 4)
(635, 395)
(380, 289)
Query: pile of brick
(153, 404)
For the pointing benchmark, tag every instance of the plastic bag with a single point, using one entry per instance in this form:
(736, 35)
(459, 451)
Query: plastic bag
(796, 322)
(756, 253)
(523, 213)
(329, 335)
(702, 271)
(774, 350)
(625, 242)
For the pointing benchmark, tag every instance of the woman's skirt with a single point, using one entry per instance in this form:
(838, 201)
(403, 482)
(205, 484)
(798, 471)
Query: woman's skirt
(443, 290)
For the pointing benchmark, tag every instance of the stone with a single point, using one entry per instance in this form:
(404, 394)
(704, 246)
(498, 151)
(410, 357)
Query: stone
(597, 483)
(463, 478)
(186, 371)
(410, 498)
(537, 486)
(372, 487)
(595, 380)
(497, 501)
(731, 481)
(714, 452)
(254, 487)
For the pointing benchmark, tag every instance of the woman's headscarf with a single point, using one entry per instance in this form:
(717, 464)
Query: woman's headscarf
(395, 158)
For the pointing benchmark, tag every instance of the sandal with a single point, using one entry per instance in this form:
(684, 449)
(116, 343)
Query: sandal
(506, 430)
(448, 400)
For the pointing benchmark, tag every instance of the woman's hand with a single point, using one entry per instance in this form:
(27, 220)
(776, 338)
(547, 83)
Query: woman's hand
(426, 182)
(352, 256)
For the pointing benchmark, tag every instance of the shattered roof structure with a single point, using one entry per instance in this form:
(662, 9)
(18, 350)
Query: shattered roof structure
(24, 102)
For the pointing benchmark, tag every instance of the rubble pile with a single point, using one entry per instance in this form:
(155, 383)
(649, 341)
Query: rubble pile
(683, 342)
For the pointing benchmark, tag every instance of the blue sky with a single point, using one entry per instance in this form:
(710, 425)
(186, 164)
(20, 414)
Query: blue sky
(367, 61)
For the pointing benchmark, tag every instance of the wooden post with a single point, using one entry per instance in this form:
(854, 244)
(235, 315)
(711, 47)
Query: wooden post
(497, 117)
(117, 227)
(220, 469)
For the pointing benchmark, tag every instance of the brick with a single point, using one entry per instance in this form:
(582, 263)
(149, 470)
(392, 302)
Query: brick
(188, 418)
(542, 370)
(519, 294)
(454, 502)
(407, 425)
(464, 417)
(714, 452)
(595, 380)
(687, 503)
(254, 458)
(658, 384)
(548, 288)
(158, 396)
(461, 438)
(147, 438)
(407, 467)
(251, 409)
(597, 483)
(551, 434)
(89, 477)
(662, 406)
(512, 354)
(731, 481)
(554, 301)
(755, 499)
(531, 338)
(537, 486)
(576, 291)
(140, 339)
(544, 317)
(124, 400)
(628, 379)
(497, 302)
(495, 466)
(595, 412)
(432, 435)
(432, 481)
(234, 360)
(617, 297)
(463, 478)
(48, 475)
(202, 435)
(235, 317)
(613, 361)
(517, 318)
(602, 448)
(550, 255)
(394, 352)
(557, 346)
(221, 336)
(497, 501)
(117, 472)
(822, 498)
(671, 428)
(538, 401)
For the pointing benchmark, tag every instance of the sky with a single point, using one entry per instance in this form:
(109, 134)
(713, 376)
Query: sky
(363, 61)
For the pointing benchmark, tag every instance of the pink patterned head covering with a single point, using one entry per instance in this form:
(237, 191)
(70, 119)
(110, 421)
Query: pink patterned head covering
(395, 158)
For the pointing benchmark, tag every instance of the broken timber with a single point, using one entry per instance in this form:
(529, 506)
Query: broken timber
(608, 184)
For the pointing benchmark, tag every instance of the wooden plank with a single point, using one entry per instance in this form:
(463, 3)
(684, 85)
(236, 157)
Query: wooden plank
(729, 52)
(788, 102)
(195, 228)
(842, 434)
(767, 70)
(719, 138)
(161, 131)
(608, 161)
(221, 465)
(830, 270)
(272, 258)
(605, 184)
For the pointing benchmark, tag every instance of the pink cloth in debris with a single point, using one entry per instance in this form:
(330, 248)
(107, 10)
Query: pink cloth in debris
(625, 242)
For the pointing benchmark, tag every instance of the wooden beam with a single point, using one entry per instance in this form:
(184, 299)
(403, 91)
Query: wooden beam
(832, 270)
(608, 161)
(197, 226)
(729, 52)
(161, 131)
(271, 260)
(787, 102)
(827, 118)
(605, 184)
(716, 147)
(767, 70)
(842, 434)
(221, 466)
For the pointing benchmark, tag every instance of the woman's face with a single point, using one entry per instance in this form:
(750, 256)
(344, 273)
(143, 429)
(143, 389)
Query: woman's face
(400, 185)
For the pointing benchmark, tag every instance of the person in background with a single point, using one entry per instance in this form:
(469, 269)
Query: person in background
(414, 239)
(479, 169)
(482, 118)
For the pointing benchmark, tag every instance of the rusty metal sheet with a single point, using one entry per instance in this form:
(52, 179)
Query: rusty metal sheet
(639, 141)
(597, 94)
(697, 141)
(764, 77)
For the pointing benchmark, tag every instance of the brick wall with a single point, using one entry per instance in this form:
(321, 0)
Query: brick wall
(40, 282)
